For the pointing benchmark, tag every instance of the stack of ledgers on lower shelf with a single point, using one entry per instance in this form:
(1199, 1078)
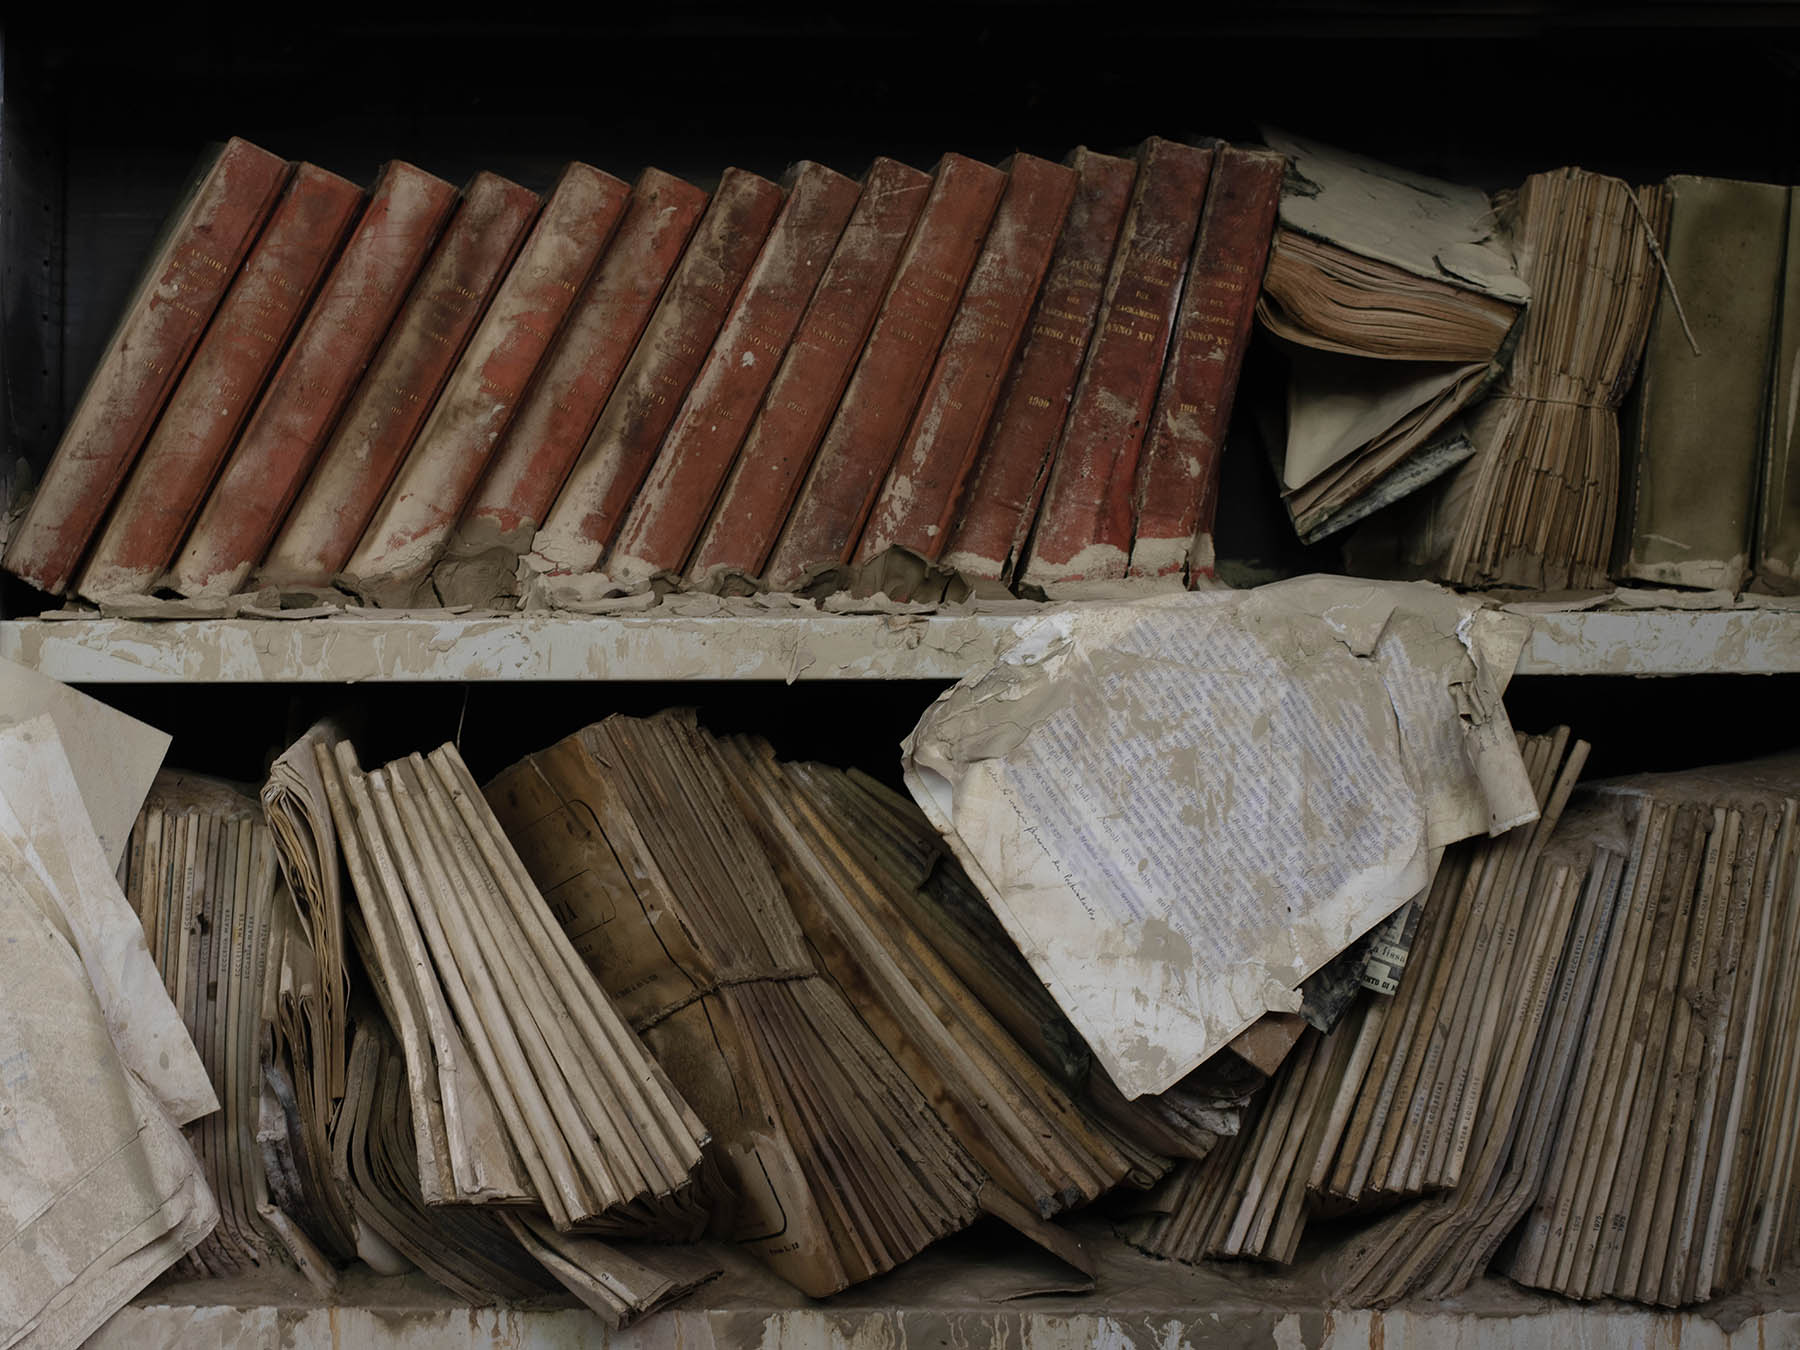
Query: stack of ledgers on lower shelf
(1589, 1069)
(404, 391)
(455, 1150)
(874, 1058)
(202, 875)
(707, 993)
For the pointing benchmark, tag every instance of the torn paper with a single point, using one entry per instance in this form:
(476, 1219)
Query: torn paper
(1182, 807)
(114, 757)
(53, 853)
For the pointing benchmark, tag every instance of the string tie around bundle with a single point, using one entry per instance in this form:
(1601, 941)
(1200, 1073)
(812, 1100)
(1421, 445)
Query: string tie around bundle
(1649, 228)
(1599, 402)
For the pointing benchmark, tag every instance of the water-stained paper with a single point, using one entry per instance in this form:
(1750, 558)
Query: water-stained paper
(1180, 808)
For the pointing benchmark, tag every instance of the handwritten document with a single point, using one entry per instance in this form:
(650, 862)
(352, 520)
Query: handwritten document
(1183, 806)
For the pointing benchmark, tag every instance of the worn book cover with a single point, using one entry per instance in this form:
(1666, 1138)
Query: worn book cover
(195, 260)
(336, 341)
(1693, 438)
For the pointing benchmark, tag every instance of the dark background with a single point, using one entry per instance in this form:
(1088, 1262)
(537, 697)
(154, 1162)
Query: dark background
(102, 118)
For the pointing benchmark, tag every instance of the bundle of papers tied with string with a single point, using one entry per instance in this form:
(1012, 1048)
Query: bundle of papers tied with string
(1182, 807)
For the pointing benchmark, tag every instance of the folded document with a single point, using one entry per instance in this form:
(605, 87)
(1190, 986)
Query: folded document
(1180, 808)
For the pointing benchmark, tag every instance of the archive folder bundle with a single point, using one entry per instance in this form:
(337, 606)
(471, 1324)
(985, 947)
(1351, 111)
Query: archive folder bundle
(470, 1104)
(527, 1086)
(1607, 1111)
(1534, 505)
(1673, 470)
(839, 1164)
(220, 925)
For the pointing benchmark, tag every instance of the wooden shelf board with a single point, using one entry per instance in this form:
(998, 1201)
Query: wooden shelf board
(963, 1291)
(785, 647)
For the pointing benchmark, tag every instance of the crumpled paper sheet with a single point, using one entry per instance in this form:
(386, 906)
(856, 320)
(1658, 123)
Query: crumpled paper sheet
(99, 1190)
(1182, 807)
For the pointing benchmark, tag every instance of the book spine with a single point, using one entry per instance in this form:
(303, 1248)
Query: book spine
(284, 435)
(779, 446)
(565, 401)
(1010, 471)
(925, 482)
(1694, 446)
(453, 447)
(194, 262)
(693, 462)
(1084, 526)
(401, 386)
(1178, 476)
(240, 347)
(865, 431)
(1778, 523)
(617, 455)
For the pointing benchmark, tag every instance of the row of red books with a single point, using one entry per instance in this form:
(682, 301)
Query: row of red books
(1018, 375)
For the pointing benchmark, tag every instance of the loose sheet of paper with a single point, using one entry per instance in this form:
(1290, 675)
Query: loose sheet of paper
(99, 1190)
(114, 757)
(1181, 808)
(43, 828)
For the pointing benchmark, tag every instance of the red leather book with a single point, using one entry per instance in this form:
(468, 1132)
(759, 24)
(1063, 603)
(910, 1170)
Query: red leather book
(578, 375)
(221, 383)
(1084, 527)
(697, 453)
(415, 518)
(779, 446)
(923, 487)
(195, 259)
(339, 335)
(397, 393)
(618, 454)
(865, 432)
(1008, 480)
(1178, 475)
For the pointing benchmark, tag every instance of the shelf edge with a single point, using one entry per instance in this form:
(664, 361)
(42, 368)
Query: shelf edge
(774, 647)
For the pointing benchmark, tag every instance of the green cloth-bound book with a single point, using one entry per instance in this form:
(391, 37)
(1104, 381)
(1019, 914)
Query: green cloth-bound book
(1693, 441)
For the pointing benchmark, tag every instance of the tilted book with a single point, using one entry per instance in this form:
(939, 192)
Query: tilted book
(401, 387)
(699, 449)
(337, 339)
(593, 502)
(988, 542)
(1084, 527)
(454, 446)
(779, 447)
(919, 499)
(866, 430)
(221, 384)
(547, 432)
(195, 259)
(1178, 476)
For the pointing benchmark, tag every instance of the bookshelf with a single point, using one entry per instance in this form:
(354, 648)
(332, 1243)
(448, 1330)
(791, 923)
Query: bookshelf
(95, 138)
